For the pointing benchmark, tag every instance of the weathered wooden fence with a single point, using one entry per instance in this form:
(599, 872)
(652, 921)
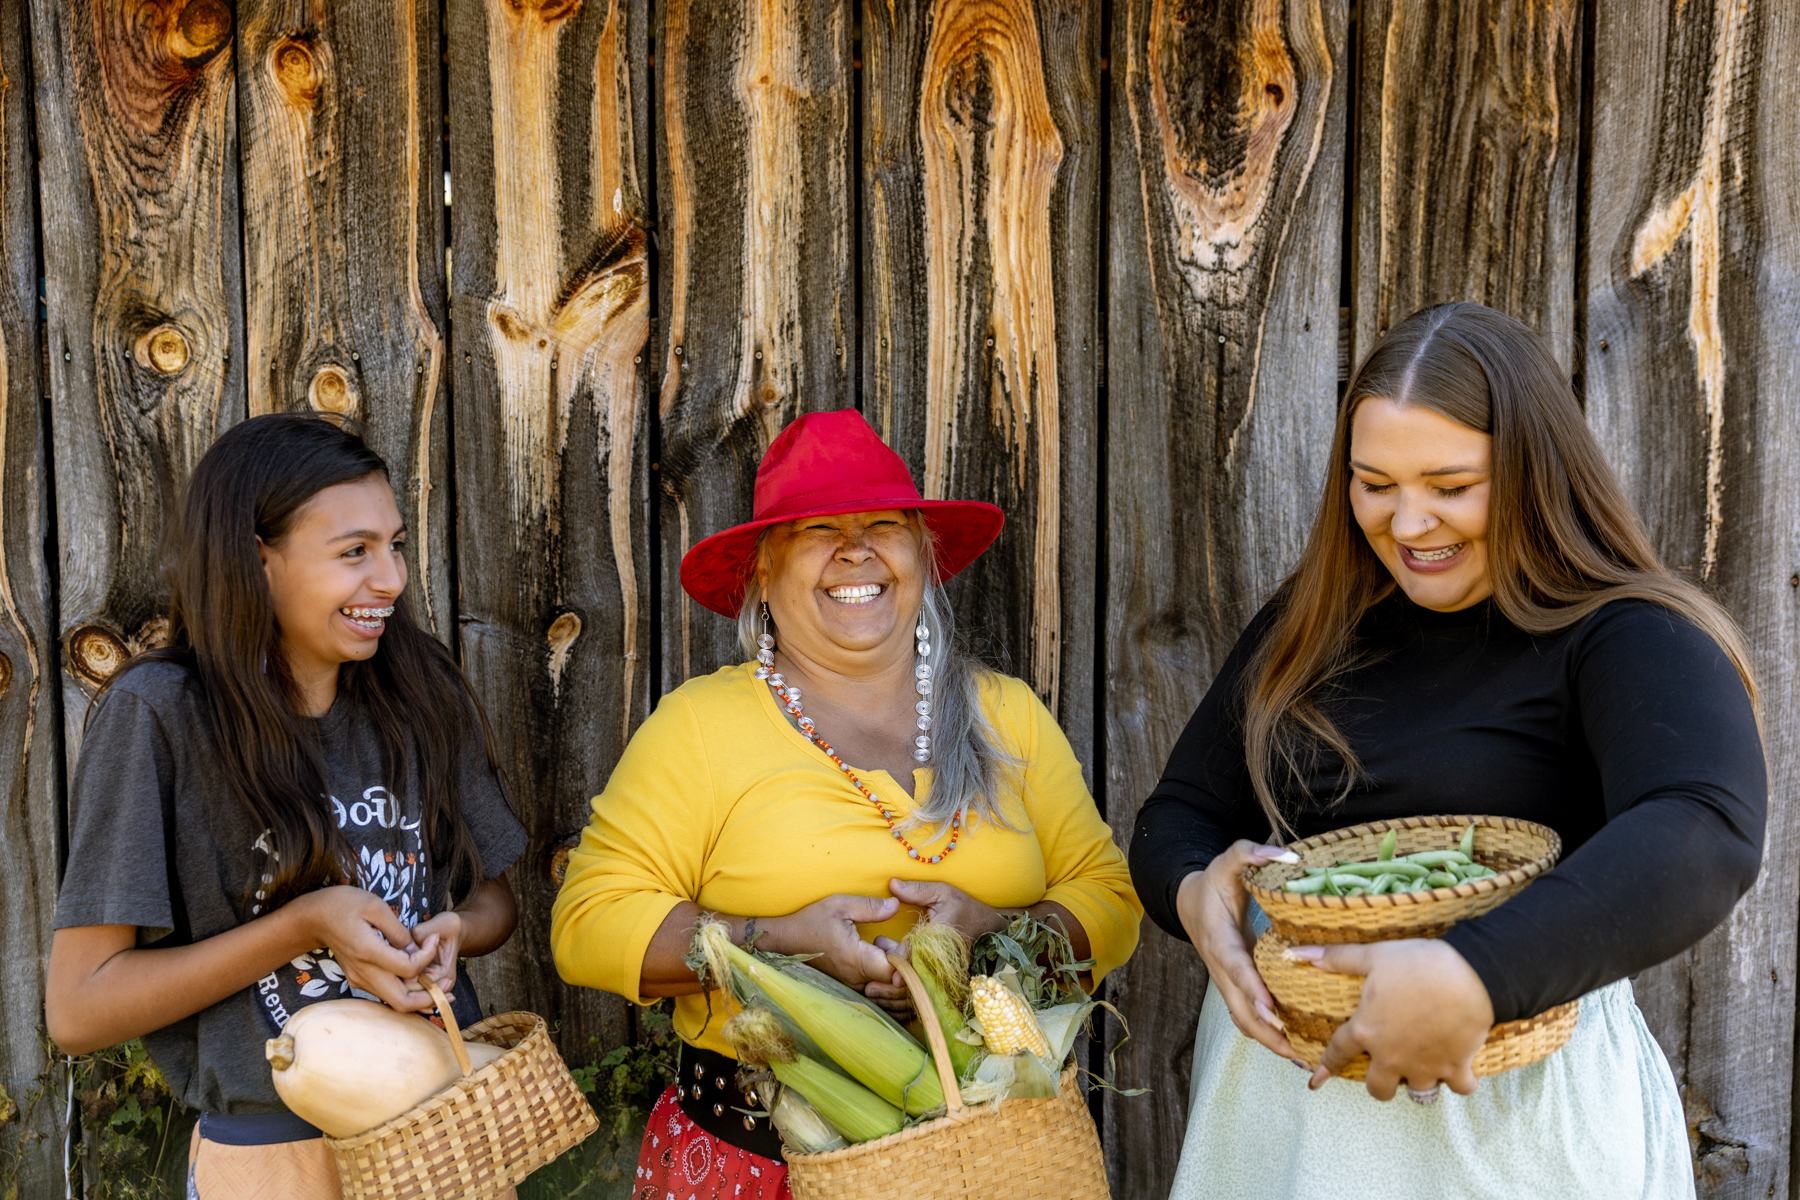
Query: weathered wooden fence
(1101, 263)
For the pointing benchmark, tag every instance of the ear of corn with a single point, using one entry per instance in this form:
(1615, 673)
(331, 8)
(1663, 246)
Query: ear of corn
(802, 1126)
(848, 1106)
(856, 1112)
(1006, 1020)
(875, 1052)
(941, 956)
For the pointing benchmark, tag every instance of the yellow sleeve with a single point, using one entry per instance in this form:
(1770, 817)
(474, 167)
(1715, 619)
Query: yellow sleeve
(1085, 870)
(642, 853)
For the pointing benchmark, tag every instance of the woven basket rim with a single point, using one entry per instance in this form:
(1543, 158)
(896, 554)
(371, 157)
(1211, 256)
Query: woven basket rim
(529, 1021)
(1276, 898)
(975, 1112)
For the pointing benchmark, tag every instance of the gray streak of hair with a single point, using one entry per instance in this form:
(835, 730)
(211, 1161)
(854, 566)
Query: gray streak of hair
(968, 763)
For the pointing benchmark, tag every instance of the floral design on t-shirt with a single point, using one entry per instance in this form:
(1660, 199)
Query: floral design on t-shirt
(389, 859)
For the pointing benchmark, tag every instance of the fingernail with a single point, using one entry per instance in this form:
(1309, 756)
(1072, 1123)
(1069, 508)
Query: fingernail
(1262, 1010)
(1311, 954)
(1318, 1079)
(1302, 1064)
(1277, 854)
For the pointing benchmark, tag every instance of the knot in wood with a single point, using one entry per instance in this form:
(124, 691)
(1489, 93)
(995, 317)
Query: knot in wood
(200, 30)
(163, 349)
(5, 674)
(331, 391)
(545, 10)
(152, 635)
(296, 69)
(95, 652)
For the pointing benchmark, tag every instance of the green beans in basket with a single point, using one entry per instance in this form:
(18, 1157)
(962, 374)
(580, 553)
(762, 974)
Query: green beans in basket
(1384, 875)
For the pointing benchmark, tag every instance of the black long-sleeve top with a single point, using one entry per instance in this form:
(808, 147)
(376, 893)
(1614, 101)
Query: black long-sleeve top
(1629, 733)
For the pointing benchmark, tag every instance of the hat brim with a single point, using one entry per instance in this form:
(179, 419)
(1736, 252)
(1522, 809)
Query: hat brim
(717, 570)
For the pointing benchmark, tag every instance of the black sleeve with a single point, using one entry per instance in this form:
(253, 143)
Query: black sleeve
(1205, 801)
(499, 838)
(120, 821)
(1681, 767)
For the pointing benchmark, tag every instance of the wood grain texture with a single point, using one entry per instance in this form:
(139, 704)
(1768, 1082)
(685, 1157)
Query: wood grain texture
(343, 241)
(981, 151)
(1692, 369)
(136, 119)
(756, 239)
(551, 305)
(28, 689)
(1468, 120)
(1227, 196)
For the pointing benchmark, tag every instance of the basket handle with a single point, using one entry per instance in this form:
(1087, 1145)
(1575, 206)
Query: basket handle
(934, 1033)
(456, 1037)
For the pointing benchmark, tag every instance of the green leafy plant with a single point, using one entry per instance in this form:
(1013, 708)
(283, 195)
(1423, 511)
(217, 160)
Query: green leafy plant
(131, 1146)
(623, 1085)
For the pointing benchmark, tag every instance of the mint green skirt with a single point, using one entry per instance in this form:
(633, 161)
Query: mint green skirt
(1598, 1119)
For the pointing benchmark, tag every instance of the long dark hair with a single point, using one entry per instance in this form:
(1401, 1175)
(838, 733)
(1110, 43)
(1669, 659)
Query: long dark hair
(1564, 538)
(253, 483)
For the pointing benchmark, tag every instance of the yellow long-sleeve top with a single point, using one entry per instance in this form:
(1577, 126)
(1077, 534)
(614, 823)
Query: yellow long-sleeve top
(718, 799)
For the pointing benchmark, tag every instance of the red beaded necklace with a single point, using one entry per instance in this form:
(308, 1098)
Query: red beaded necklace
(789, 699)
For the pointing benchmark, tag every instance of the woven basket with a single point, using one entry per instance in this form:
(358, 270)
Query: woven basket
(483, 1133)
(1519, 851)
(1313, 1003)
(1008, 1150)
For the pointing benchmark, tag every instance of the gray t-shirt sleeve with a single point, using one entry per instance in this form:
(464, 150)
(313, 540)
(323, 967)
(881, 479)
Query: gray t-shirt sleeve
(499, 838)
(120, 811)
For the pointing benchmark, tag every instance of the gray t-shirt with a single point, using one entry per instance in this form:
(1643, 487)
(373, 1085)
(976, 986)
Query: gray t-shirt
(159, 840)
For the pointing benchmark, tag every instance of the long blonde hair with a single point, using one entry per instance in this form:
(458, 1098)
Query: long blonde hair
(1564, 538)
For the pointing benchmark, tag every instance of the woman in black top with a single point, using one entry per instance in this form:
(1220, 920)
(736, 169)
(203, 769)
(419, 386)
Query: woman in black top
(1478, 625)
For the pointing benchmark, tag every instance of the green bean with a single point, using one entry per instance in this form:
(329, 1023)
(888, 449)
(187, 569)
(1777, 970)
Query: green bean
(1467, 842)
(1315, 885)
(1372, 869)
(1388, 842)
(1385, 884)
(1438, 879)
(1437, 858)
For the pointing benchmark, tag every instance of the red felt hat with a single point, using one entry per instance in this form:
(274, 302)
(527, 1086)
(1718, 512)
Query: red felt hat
(824, 464)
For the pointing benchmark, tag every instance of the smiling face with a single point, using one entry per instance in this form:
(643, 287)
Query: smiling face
(845, 590)
(1420, 490)
(335, 575)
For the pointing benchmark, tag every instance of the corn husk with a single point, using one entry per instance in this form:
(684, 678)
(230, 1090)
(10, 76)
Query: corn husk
(849, 1108)
(875, 1052)
(802, 1127)
(941, 956)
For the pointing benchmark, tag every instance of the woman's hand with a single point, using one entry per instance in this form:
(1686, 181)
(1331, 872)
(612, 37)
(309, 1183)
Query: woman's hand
(377, 952)
(480, 924)
(827, 928)
(947, 905)
(443, 934)
(1214, 906)
(950, 905)
(1424, 1015)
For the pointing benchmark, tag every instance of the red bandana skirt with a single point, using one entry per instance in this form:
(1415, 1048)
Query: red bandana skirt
(681, 1161)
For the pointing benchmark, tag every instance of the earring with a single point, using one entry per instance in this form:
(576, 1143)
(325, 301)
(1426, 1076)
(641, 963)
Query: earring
(765, 653)
(922, 685)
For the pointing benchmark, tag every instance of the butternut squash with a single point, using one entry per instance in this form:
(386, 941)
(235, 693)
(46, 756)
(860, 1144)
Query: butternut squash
(350, 1065)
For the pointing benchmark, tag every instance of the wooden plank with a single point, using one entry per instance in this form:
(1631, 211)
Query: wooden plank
(343, 241)
(137, 125)
(756, 244)
(982, 152)
(1468, 120)
(1692, 369)
(551, 307)
(1226, 222)
(28, 693)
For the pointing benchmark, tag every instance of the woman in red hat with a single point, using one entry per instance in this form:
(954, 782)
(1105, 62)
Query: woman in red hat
(863, 772)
